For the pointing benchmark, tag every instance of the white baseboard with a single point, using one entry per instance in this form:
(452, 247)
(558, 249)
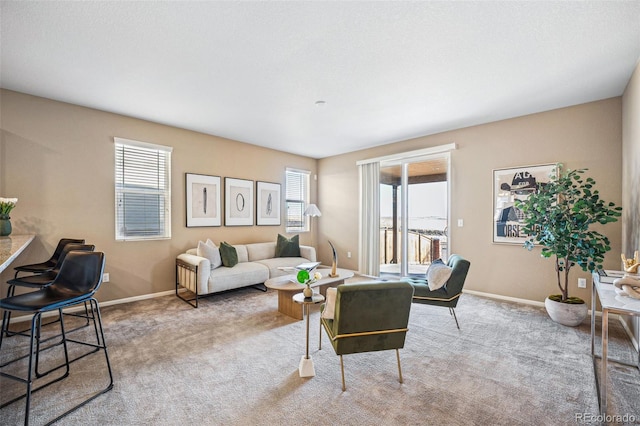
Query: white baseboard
(507, 298)
(108, 303)
(541, 304)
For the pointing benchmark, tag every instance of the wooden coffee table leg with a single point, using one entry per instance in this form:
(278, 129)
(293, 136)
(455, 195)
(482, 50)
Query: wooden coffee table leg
(287, 306)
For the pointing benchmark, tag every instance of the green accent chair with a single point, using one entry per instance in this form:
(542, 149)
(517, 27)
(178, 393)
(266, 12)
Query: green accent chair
(371, 316)
(449, 294)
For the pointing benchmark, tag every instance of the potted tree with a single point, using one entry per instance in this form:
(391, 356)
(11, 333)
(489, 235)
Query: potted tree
(559, 217)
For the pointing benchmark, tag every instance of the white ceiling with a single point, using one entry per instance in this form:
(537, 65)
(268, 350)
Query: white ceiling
(252, 71)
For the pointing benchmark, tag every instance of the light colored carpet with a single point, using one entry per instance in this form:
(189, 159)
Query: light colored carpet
(234, 361)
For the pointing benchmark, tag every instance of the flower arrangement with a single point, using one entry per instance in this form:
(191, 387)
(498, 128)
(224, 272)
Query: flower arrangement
(304, 278)
(6, 205)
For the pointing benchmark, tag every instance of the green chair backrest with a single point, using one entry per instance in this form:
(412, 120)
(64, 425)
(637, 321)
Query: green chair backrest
(371, 307)
(460, 269)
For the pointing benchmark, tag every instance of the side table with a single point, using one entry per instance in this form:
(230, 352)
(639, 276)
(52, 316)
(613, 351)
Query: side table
(611, 304)
(306, 363)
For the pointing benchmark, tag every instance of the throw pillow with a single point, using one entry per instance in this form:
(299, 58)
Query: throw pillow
(329, 306)
(210, 251)
(288, 247)
(228, 254)
(437, 274)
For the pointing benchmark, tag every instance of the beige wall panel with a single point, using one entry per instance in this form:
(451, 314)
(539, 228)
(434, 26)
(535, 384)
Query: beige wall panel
(631, 173)
(586, 135)
(58, 159)
(631, 164)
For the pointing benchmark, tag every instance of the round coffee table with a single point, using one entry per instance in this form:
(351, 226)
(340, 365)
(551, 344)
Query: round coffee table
(287, 286)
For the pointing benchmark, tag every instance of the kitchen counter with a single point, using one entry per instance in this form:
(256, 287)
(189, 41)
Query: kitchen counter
(11, 247)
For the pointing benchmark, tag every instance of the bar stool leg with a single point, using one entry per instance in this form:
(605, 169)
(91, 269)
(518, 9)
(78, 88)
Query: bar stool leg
(10, 292)
(102, 344)
(5, 324)
(34, 319)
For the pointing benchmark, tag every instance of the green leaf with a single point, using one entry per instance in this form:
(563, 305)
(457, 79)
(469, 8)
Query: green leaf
(303, 276)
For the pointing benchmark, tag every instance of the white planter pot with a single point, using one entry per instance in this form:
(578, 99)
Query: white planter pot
(566, 313)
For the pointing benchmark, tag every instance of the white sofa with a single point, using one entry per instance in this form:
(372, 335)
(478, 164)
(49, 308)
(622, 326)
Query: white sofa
(256, 264)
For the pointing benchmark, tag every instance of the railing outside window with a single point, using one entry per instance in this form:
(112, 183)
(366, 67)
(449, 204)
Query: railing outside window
(424, 246)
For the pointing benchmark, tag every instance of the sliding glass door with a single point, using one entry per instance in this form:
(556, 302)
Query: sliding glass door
(414, 200)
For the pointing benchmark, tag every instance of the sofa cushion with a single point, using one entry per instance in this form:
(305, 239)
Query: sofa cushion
(210, 251)
(241, 250)
(260, 251)
(228, 254)
(437, 274)
(288, 247)
(243, 274)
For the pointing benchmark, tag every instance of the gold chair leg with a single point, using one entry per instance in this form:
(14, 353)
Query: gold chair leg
(399, 367)
(344, 388)
(320, 335)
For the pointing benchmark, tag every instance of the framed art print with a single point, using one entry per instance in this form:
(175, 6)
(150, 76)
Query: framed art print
(204, 200)
(238, 202)
(268, 203)
(513, 184)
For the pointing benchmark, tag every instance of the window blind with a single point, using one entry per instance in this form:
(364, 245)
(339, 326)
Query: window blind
(143, 190)
(297, 197)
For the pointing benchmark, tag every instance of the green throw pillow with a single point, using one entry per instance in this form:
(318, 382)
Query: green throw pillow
(228, 254)
(288, 247)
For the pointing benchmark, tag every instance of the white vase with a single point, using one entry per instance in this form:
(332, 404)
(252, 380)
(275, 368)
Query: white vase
(569, 314)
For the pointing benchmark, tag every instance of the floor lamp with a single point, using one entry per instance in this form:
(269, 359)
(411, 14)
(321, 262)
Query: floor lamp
(312, 211)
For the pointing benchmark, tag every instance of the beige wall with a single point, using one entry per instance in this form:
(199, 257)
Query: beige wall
(631, 171)
(631, 164)
(588, 135)
(58, 159)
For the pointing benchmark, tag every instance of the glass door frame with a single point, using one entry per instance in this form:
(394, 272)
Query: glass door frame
(404, 201)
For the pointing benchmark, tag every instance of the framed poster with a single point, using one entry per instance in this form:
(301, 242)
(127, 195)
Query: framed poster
(512, 184)
(238, 202)
(204, 200)
(267, 203)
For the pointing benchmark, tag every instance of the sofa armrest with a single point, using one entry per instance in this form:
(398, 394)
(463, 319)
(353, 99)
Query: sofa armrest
(308, 252)
(190, 266)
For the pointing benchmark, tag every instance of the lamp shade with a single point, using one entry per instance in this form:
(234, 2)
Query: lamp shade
(312, 210)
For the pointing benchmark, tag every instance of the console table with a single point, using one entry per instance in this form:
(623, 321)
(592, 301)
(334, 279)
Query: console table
(614, 304)
(11, 247)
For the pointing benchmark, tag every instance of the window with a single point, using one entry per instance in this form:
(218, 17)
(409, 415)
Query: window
(143, 190)
(297, 197)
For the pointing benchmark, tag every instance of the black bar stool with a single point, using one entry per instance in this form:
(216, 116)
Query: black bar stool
(47, 265)
(42, 267)
(79, 278)
(39, 281)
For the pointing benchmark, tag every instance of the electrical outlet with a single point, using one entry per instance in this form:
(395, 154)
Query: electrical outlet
(105, 277)
(582, 283)
(349, 254)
